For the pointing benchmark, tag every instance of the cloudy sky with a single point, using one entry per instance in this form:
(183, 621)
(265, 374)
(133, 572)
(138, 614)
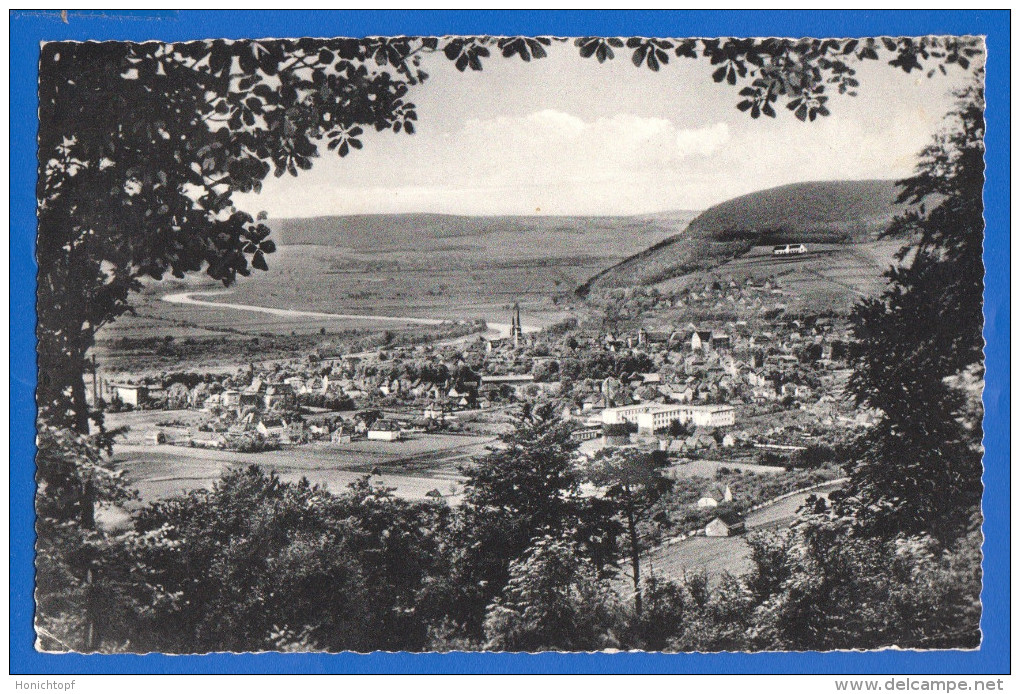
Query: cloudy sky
(565, 135)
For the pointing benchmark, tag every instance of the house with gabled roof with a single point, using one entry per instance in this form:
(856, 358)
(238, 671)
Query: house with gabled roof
(726, 525)
(384, 430)
(701, 340)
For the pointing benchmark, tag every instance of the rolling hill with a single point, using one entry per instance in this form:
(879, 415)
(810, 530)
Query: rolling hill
(489, 237)
(425, 266)
(833, 213)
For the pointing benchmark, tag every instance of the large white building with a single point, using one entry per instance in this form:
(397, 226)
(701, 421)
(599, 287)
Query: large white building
(653, 417)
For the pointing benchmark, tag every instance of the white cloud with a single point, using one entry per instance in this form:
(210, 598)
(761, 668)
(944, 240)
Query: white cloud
(552, 147)
(547, 161)
(703, 141)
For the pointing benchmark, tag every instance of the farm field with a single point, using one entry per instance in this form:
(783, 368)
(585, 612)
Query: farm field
(419, 284)
(492, 236)
(708, 468)
(301, 279)
(157, 346)
(718, 555)
(143, 423)
(415, 465)
(413, 468)
(400, 282)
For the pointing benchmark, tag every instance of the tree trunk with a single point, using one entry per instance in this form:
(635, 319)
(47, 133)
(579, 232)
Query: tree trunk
(61, 391)
(635, 554)
(64, 337)
(80, 413)
(87, 518)
(91, 620)
(79, 402)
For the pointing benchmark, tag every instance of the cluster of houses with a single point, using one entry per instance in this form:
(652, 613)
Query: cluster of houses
(731, 364)
(258, 395)
(699, 374)
(696, 374)
(747, 296)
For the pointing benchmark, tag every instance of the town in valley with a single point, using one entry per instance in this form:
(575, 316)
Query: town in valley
(727, 379)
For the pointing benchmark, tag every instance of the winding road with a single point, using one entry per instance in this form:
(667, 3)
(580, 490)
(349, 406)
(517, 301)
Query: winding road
(188, 298)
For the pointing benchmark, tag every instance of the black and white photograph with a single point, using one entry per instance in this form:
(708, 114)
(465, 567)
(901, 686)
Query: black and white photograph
(510, 344)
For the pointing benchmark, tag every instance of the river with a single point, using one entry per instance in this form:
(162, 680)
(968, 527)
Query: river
(188, 298)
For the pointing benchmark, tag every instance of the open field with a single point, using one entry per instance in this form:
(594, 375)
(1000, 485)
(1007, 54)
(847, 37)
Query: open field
(413, 467)
(301, 281)
(717, 555)
(708, 468)
(143, 423)
(500, 237)
(420, 283)
(145, 343)
(713, 555)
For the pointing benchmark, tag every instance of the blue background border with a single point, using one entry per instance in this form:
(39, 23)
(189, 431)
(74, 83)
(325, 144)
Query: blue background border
(28, 29)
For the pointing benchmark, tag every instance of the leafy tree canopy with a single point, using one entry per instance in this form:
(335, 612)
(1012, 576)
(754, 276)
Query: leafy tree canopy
(631, 482)
(920, 354)
(257, 561)
(553, 600)
(525, 489)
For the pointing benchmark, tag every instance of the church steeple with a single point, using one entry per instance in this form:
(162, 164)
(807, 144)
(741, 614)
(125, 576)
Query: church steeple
(515, 325)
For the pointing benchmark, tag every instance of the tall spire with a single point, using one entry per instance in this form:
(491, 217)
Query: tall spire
(515, 325)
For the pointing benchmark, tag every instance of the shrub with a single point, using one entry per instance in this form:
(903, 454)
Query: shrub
(252, 442)
(619, 429)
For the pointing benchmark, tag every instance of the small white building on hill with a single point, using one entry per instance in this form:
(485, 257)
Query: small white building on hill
(726, 525)
(131, 394)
